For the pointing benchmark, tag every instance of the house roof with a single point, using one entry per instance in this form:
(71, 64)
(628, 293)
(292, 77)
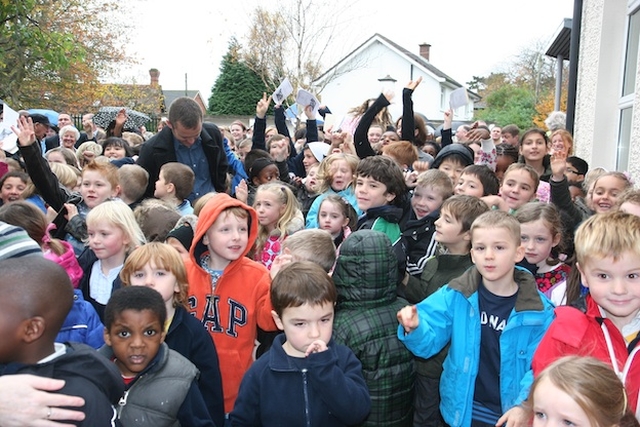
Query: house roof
(412, 57)
(561, 43)
(171, 95)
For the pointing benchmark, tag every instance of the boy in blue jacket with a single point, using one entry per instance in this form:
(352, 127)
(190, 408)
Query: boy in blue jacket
(494, 317)
(305, 379)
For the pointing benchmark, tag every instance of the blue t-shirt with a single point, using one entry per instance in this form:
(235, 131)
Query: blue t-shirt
(494, 313)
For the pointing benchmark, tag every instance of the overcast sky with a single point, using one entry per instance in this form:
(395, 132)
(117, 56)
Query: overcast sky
(467, 37)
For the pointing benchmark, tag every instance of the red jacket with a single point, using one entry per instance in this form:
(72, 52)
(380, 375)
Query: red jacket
(574, 332)
(238, 305)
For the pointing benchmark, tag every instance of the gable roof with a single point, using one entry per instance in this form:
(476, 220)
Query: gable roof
(172, 95)
(411, 57)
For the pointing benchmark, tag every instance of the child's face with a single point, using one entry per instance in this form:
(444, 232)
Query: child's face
(630, 208)
(534, 147)
(477, 153)
(554, 407)
(341, 175)
(161, 187)
(161, 280)
(95, 189)
(495, 253)
(606, 192)
(12, 189)
(308, 160)
(614, 285)
(449, 229)
(106, 240)
(303, 325)
(537, 241)
(134, 337)
(558, 145)
(517, 188)
(425, 199)
(175, 243)
(331, 218)
(502, 164)
(114, 152)
(470, 185)
(226, 239)
(266, 175)
(311, 181)
(56, 157)
(452, 168)
(269, 209)
(371, 193)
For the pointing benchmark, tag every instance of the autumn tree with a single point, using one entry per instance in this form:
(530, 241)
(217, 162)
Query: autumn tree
(53, 52)
(293, 39)
(237, 88)
(523, 93)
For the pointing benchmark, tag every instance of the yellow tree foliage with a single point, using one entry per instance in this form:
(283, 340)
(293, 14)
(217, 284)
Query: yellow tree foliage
(54, 52)
(545, 106)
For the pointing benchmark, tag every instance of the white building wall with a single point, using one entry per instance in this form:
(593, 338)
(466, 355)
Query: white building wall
(602, 47)
(358, 81)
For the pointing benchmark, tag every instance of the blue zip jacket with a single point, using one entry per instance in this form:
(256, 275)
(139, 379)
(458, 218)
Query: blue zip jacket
(348, 194)
(452, 314)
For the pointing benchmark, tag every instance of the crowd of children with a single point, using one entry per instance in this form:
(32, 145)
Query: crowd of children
(371, 277)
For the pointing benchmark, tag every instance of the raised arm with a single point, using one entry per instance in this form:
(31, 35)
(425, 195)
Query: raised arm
(447, 133)
(408, 122)
(260, 124)
(360, 140)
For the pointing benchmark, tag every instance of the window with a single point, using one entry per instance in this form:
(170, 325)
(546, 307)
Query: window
(630, 72)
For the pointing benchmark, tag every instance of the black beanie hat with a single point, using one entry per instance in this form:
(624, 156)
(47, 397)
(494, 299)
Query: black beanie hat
(461, 150)
(184, 234)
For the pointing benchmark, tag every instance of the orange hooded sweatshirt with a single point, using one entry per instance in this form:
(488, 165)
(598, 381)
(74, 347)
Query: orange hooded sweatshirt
(238, 304)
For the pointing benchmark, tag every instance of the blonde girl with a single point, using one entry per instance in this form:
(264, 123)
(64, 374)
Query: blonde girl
(578, 391)
(606, 190)
(113, 234)
(541, 236)
(337, 217)
(160, 267)
(336, 174)
(278, 215)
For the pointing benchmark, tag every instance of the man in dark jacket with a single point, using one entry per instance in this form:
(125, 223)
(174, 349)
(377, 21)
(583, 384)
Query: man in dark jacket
(186, 139)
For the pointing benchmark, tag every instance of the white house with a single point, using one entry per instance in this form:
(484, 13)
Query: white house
(379, 64)
(607, 115)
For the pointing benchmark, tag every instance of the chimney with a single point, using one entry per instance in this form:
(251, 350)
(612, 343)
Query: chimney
(155, 76)
(424, 50)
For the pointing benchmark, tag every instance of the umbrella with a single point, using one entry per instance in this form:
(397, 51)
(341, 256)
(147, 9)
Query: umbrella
(106, 115)
(51, 115)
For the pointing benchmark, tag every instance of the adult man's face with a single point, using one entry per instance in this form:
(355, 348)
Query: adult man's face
(185, 135)
(40, 130)
(64, 120)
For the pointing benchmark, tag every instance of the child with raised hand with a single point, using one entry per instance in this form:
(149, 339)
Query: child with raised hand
(541, 231)
(82, 323)
(160, 267)
(603, 324)
(278, 217)
(99, 183)
(228, 292)
(579, 391)
(518, 188)
(160, 384)
(318, 382)
(337, 217)
(335, 176)
(487, 373)
(113, 234)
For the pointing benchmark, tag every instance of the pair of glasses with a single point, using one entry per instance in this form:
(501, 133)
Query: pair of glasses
(573, 171)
